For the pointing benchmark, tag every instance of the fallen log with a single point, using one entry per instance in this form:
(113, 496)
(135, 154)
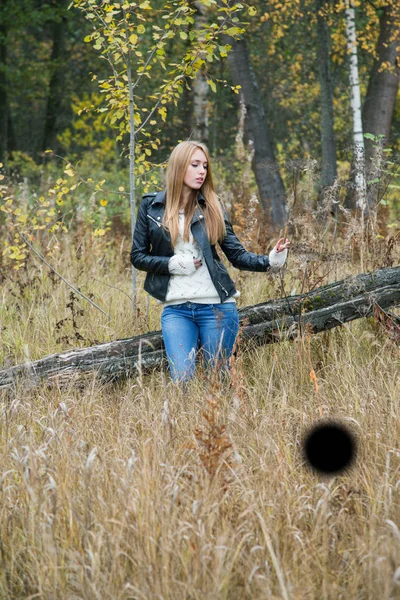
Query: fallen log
(318, 310)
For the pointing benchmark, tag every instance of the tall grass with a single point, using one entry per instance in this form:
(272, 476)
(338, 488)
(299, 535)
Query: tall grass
(105, 490)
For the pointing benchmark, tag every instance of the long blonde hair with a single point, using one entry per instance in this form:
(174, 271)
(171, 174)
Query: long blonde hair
(213, 215)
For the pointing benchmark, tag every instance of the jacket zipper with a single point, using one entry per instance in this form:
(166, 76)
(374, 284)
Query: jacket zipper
(156, 222)
(218, 265)
(222, 287)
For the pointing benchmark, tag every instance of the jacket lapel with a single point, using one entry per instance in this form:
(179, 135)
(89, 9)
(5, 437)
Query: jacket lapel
(197, 216)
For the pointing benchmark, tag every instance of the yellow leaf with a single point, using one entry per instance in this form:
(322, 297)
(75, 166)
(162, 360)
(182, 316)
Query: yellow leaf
(141, 29)
(133, 39)
(121, 188)
(99, 232)
(163, 112)
(69, 172)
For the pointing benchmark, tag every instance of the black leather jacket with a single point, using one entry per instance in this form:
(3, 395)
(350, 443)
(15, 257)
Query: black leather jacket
(152, 249)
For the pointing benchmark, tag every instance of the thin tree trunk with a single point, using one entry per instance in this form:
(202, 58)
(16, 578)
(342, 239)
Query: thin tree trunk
(56, 87)
(200, 87)
(3, 84)
(355, 100)
(269, 322)
(132, 200)
(329, 169)
(269, 181)
(382, 90)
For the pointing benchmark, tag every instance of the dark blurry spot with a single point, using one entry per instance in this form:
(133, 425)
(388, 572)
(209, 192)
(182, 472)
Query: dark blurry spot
(329, 448)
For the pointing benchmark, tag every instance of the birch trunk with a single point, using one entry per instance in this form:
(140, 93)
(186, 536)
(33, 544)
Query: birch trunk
(200, 88)
(132, 171)
(355, 101)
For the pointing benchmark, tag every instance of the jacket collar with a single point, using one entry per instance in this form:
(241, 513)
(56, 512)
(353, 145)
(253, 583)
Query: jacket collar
(160, 197)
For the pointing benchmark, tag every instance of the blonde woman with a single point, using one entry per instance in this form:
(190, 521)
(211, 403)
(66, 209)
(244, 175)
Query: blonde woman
(174, 241)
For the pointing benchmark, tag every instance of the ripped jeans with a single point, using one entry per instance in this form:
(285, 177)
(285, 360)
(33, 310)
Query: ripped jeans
(189, 326)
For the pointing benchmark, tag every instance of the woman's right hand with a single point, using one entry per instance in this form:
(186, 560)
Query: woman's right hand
(183, 265)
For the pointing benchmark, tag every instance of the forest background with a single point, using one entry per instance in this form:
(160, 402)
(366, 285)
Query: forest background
(288, 63)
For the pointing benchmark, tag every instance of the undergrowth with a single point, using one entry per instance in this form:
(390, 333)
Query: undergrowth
(140, 489)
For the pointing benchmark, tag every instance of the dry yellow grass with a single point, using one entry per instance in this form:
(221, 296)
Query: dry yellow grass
(103, 491)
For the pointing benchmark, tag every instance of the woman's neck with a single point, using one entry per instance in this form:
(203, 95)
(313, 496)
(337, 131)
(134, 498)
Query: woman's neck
(186, 197)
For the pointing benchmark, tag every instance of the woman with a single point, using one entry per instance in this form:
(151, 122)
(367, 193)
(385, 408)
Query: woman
(174, 241)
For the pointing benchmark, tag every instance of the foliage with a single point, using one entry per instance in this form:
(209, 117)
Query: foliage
(133, 39)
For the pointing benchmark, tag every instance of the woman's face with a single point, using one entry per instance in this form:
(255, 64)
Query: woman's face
(196, 171)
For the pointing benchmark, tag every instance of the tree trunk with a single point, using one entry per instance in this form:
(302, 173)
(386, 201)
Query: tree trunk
(56, 86)
(200, 88)
(269, 322)
(269, 181)
(329, 169)
(355, 100)
(3, 84)
(382, 90)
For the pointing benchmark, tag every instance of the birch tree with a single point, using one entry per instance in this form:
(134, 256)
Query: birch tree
(200, 87)
(355, 101)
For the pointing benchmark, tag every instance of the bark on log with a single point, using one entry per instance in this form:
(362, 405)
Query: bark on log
(268, 322)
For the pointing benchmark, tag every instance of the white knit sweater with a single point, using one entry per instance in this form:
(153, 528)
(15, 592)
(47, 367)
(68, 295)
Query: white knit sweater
(187, 282)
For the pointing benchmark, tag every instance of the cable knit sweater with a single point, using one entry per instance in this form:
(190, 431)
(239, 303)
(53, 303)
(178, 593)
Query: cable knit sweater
(187, 282)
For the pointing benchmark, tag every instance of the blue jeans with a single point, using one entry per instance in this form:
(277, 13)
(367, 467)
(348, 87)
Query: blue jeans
(189, 326)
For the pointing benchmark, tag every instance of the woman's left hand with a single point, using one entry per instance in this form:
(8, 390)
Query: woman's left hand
(282, 244)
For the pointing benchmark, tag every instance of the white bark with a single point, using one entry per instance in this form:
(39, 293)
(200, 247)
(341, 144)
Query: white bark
(200, 87)
(355, 100)
(132, 170)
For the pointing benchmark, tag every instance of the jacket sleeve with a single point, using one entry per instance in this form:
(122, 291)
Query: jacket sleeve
(237, 255)
(140, 253)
